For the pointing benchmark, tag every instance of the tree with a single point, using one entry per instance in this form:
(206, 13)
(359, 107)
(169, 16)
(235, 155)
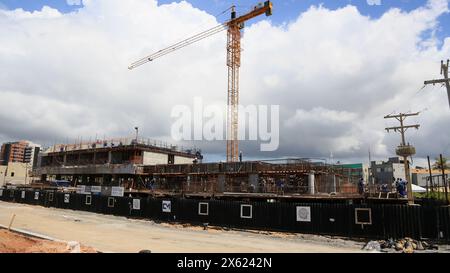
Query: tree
(438, 164)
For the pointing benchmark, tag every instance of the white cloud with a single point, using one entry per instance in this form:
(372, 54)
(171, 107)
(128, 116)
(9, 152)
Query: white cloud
(334, 73)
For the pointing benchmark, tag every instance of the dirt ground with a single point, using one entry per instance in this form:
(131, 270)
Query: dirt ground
(11, 242)
(107, 233)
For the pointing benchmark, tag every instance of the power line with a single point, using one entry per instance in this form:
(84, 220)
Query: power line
(445, 80)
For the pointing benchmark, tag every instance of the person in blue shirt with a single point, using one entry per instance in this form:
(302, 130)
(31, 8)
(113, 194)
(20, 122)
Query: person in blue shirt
(404, 183)
(401, 188)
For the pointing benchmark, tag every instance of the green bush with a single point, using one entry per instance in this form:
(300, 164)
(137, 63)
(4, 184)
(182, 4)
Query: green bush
(431, 195)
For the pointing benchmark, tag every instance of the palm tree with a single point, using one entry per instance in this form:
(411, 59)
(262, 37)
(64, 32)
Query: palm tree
(438, 164)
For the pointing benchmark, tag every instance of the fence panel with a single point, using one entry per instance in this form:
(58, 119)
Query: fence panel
(338, 218)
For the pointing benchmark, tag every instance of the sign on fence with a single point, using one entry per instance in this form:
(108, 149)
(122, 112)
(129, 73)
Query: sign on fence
(22, 194)
(303, 214)
(117, 191)
(81, 189)
(1, 192)
(166, 206)
(363, 216)
(137, 204)
(36, 195)
(66, 198)
(96, 189)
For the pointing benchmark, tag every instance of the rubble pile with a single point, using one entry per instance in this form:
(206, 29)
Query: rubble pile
(406, 245)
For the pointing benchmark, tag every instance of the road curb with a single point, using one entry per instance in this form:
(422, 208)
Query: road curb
(32, 234)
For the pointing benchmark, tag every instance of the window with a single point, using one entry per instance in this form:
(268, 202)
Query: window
(246, 211)
(111, 201)
(12, 174)
(203, 208)
(88, 200)
(378, 170)
(50, 197)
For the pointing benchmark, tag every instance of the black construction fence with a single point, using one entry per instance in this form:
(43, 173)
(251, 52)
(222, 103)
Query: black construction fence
(370, 220)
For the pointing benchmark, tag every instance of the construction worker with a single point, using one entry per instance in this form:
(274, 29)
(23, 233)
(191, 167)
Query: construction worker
(361, 186)
(401, 187)
(404, 188)
(152, 182)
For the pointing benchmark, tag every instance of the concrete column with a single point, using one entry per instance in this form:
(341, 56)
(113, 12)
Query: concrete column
(188, 182)
(221, 183)
(311, 183)
(334, 183)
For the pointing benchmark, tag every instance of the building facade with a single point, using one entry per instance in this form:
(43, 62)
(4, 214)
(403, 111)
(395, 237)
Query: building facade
(117, 162)
(385, 172)
(15, 173)
(421, 177)
(19, 152)
(354, 172)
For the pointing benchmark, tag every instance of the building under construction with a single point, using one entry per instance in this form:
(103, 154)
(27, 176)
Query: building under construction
(150, 167)
(116, 162)
(287, 177)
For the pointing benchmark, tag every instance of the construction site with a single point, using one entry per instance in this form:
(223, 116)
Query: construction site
(140, 167)
(145, 167)
(171, 189)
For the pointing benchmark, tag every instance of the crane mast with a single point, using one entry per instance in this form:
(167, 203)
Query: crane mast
(233, 27)
(233, 63)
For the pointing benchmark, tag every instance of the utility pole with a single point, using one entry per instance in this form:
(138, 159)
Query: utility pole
(444, 179)
(430, 175)
(404, 149)
(370, 178)
(446, 80)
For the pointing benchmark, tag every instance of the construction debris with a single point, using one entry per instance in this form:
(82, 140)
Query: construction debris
(73, 247)
(372, 246)
(406, 245)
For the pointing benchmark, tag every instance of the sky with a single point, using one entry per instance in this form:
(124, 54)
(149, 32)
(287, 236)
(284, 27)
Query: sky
(285, 11)
(335, 68)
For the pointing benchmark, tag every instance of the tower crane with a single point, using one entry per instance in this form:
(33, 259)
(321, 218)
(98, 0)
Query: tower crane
(234, 27)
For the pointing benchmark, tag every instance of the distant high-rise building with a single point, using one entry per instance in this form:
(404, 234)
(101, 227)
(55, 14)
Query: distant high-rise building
(19, 151)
